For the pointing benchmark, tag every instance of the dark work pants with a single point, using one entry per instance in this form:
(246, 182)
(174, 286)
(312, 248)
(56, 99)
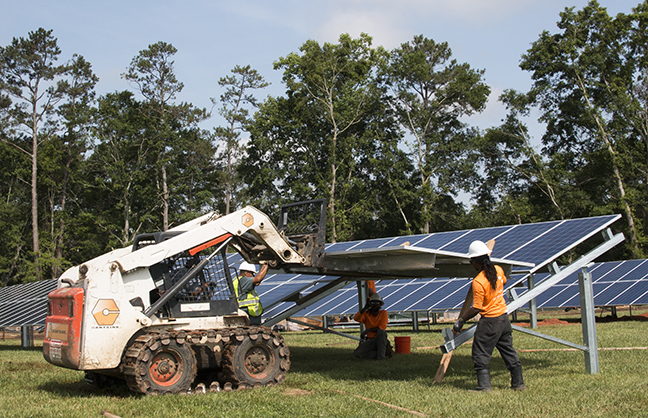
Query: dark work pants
(491, 333)
(254, 320)
(374, 347)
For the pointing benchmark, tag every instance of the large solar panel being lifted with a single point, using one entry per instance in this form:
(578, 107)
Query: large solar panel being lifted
(539, 243)
(25, 304)
(535, 243)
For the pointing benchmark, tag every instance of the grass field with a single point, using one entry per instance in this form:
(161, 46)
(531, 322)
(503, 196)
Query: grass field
(326, 381)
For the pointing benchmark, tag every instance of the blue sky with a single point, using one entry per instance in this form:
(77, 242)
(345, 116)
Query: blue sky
(213, 36)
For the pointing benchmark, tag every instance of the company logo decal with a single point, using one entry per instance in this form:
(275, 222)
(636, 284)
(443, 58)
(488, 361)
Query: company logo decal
(105, 312)
(248, 220)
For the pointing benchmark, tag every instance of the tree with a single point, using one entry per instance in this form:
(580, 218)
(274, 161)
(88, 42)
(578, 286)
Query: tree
(233, 109)
(519, 184)
(587, 80)
(76, 113)
(317, 141)
(152, 73)
(431, 93)
(28, 74)
(120, 181)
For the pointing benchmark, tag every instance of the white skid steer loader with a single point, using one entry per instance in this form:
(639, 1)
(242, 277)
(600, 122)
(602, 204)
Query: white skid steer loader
(156, 313)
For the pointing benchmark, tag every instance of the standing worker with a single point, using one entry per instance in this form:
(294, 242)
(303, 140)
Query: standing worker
(494, 328)
(245, 287)
(374, 340)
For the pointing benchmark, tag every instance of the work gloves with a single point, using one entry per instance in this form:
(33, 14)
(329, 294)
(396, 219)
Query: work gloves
(458, 325)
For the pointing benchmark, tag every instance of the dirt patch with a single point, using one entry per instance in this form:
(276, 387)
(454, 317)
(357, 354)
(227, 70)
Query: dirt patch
(298, 392)
(552, 321)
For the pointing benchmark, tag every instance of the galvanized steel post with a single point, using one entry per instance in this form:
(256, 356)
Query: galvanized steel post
(588, 321)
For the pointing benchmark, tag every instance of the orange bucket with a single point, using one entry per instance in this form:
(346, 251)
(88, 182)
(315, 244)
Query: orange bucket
(402, 345)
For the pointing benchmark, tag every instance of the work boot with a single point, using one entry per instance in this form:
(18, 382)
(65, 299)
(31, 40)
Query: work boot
(517, 382)
(483, 381)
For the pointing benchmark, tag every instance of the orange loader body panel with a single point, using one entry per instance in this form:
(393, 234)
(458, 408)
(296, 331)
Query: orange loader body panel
(62, 343)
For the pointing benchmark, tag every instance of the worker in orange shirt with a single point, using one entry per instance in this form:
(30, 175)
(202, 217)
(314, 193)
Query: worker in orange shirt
(494, 328)
(374, 340)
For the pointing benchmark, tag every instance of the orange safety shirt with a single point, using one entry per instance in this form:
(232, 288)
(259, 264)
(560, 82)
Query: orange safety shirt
(490, 302)
(370, 321)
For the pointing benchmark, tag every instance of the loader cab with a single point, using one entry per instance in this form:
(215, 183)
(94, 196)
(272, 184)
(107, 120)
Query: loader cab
(209, 293)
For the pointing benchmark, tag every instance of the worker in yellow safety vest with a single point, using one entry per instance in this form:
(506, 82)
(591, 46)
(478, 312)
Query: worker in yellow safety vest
(245, 284)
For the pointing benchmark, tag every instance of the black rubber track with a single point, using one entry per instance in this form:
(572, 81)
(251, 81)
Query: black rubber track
(255, 357)
(160, 362)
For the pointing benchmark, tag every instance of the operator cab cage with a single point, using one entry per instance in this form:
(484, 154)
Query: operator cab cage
(209, 292)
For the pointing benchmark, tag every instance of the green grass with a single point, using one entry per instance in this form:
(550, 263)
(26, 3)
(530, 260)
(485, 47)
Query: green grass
(326, 381)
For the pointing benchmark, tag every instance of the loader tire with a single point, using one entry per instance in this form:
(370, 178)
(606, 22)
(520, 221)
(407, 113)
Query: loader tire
(257, 358)
(161, 365)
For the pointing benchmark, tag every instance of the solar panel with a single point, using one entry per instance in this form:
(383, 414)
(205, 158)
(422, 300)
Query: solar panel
(615, 283)
(25, 304)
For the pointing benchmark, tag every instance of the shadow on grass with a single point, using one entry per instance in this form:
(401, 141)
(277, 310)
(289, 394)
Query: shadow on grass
(81, 389)
(340, 364)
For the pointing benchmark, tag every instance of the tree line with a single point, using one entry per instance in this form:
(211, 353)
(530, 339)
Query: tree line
(380, 134)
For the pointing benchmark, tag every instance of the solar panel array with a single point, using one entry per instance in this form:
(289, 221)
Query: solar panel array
(539, 243)
(25, 304)
(615, 283)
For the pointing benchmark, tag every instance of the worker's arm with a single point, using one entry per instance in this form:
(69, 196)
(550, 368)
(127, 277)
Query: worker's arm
(470, 314)
(261, 275)
(477, 302)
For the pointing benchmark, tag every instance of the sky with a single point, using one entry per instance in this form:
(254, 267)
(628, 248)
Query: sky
(213, 36)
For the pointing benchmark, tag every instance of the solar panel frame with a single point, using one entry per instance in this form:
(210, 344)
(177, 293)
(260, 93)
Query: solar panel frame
(25, 304)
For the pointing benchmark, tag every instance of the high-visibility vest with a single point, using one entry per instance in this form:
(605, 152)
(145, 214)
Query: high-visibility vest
(250, 300)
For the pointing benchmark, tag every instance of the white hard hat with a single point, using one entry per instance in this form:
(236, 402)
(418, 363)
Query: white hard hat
(245, 266)
(477, 249)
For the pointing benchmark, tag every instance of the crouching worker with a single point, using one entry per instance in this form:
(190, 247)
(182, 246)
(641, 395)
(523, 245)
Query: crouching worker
(494, 328)
(374, 343)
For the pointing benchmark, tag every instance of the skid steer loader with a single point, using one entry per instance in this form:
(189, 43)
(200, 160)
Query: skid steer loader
(156, 313)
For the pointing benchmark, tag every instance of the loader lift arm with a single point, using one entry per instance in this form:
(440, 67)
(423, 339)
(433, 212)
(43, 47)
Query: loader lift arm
(253, 235)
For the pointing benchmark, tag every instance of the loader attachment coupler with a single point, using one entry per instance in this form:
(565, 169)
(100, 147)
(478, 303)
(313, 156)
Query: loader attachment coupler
(303, 224)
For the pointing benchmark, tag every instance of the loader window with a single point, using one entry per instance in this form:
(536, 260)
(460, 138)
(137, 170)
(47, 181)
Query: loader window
(207, 293)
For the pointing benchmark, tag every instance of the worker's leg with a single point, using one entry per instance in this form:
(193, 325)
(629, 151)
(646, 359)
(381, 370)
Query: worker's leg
(381, 343)
(510, 357)
(255, 321)
(486, 336)
(366, 349)
(505, 346)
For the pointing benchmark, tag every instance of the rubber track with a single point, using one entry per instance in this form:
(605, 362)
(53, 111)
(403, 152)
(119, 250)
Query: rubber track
(216, 339)
(273, 338)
